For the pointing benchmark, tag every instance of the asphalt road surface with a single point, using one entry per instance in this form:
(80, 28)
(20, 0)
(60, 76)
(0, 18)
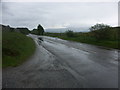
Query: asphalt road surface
(59, 63)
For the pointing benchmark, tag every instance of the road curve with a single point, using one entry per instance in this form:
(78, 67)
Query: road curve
(59, 63)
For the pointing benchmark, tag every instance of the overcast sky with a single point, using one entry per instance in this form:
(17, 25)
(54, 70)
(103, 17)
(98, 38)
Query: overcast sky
(59, 14)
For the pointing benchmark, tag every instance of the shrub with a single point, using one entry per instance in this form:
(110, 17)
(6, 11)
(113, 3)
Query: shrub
(70, 33)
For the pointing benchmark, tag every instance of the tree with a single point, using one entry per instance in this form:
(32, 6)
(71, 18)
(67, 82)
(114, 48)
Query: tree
(40, 30)
(100, 31)
(99, 27)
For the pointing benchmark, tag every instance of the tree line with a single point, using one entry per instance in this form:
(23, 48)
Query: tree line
(99, 32)
(23, 30)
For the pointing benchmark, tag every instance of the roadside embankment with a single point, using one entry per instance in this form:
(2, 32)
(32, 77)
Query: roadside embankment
(16, 48)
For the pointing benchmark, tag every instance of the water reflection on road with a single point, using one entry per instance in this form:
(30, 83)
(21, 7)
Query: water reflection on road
(59, 63)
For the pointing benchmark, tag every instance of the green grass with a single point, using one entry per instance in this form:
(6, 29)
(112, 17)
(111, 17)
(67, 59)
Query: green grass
(85, 38)
(93, 41)
(16, 48)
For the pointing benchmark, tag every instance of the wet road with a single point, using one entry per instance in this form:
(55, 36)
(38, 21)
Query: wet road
(59, 63)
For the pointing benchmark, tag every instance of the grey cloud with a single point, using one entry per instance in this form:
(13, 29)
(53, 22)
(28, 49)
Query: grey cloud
(59, 14)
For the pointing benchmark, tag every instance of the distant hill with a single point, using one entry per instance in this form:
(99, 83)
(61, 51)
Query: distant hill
(61, 30)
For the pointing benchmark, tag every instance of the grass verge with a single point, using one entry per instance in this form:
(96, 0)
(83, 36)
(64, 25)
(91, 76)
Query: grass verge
(84, 38)
(93, 41)
(16, 48)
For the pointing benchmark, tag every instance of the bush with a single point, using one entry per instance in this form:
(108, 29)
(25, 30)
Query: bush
(69, 33)
(100, 31)
(24, 30)
(34, 31)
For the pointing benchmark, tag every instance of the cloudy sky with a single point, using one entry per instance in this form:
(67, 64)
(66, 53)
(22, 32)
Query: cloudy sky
(59, 14)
